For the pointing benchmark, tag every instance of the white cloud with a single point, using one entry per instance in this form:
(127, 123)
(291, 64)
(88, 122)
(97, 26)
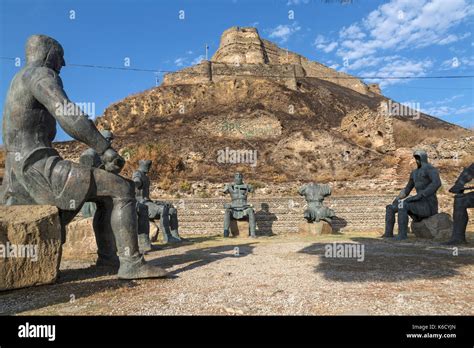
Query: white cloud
(403, 24)
(186, 61)
(457, 62)
(198, 59)
(396, 68)
(445, 110)
(284, 32)
(180, 61)
(324, 45)
(351, 32)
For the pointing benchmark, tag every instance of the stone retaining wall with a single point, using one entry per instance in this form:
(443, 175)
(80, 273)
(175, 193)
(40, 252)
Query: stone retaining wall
(205, 215)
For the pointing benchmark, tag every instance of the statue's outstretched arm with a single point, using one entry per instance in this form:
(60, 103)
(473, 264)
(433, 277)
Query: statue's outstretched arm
(466, 176)
(47, 88)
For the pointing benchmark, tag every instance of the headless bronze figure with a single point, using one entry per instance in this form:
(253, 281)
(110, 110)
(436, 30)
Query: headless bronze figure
(35, 173)
(314, 195)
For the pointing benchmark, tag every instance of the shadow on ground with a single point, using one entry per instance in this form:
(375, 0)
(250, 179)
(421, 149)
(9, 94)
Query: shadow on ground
(195, 258)
(65, 290)
(390, 261)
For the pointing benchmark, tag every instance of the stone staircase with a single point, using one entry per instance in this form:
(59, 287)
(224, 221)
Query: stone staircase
(205, 216)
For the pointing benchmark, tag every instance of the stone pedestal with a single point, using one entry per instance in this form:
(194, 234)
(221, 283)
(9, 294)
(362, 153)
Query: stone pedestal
(438, 227)
(315, 228)
(30, 245)
(80, 240)
(239, 228)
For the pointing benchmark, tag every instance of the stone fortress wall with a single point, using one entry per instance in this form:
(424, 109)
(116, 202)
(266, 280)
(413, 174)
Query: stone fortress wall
(243, 53)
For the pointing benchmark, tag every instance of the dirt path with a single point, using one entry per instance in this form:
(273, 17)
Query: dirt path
(271, 275)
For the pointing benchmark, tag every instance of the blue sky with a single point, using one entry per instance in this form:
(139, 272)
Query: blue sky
(362, 37)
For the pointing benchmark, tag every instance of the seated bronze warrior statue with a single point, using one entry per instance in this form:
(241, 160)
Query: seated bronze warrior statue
(425, 179)
(35, 173)
(106, 242)
(164, 211)
(239, 208)
(314, 195)
(462, 201)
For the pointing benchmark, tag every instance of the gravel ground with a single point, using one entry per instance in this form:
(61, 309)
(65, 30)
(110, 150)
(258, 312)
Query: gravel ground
(279, 275)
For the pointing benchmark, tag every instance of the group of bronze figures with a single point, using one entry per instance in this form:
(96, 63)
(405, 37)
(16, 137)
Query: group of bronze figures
(35, 173)
(426, 182)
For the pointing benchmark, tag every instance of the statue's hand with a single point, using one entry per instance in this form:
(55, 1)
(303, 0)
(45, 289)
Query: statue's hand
(414, 198)
(113, 162)
(402, 195)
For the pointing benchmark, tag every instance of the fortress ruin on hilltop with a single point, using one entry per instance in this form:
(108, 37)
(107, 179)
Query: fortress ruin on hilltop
(243, 53)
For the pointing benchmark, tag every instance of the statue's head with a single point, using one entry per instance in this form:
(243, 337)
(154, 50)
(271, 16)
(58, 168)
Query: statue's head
(144, 166)
(420, 157)
(108, 135)
(45, 51)
(238, 178)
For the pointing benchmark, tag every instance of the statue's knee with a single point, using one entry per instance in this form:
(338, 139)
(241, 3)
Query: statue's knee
(405, 208)
(125, 189)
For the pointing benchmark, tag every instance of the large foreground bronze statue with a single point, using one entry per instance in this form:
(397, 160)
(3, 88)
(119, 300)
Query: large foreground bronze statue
(35, 173)
(105, 241)
(425, 179)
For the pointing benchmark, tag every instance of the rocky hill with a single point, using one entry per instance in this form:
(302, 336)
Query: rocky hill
(283, 117)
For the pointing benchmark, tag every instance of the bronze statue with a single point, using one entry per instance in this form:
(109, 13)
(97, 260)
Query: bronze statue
(105, 242)
(425, 179)
(239, 208)
(462, 201)
(164, 211)
(314, 195)
(35, 173)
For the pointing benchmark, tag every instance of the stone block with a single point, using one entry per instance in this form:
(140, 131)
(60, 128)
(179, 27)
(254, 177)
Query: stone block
(30, 245)
(80, 240)
(315, 228)
(239, 228)
(438, 227)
